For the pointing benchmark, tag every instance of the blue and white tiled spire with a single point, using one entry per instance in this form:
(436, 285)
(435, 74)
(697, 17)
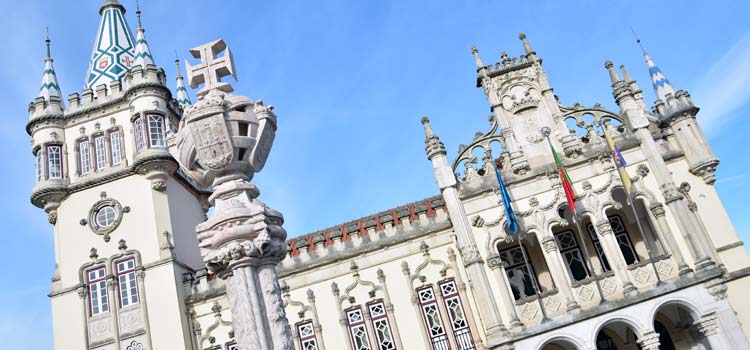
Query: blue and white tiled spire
(662, 87)
(50, 87)
(114, 48)
(142, 52)
(181, 93)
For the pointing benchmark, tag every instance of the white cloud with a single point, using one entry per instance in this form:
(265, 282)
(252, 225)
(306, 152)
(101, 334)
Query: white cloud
(725, 87)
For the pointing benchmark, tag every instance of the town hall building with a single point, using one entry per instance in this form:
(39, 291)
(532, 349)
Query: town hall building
(647, 261)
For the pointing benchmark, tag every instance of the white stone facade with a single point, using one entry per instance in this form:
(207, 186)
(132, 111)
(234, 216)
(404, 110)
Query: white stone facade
(440, 273)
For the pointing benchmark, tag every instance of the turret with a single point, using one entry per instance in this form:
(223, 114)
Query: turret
(181, 94)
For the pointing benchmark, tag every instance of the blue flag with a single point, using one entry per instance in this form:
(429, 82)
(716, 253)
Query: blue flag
(509, 214)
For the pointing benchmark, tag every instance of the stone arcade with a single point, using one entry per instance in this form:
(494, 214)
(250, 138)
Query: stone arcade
(127, 171)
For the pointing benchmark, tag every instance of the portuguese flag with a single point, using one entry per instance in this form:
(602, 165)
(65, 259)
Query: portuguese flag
(567, 184)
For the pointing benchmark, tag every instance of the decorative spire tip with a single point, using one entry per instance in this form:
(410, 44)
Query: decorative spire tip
(425, 120)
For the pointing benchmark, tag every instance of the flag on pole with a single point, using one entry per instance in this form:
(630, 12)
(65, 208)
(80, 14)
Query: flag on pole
(509, 214)
(619, 161)
(570, 195)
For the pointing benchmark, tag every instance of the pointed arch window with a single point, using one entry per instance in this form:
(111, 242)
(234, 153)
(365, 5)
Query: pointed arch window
(571, 252)
(150, 131)
(140, 137)
(54, 161)
(156, 130)
(623, 241)
(522, 281)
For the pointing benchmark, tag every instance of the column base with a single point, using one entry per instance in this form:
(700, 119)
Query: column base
(517, 326)
(629, 290)
(704, 264)
(572, 306)
(684, 270)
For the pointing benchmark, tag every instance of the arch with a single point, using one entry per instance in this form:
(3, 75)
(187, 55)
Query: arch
(692, 309)
(632, 324)
(563, 342)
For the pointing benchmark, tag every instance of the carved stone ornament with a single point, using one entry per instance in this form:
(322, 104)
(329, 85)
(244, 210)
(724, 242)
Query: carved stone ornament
(105, 216)
(134, 345)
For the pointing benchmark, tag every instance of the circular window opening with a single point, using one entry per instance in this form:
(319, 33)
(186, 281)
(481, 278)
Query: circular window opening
(105, 216)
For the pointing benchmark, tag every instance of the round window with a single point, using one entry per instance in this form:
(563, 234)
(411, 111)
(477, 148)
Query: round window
(105, 216)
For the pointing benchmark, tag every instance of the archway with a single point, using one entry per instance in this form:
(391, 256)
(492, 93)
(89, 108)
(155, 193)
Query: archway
(673, 322)
(617, 335)
(559, 344)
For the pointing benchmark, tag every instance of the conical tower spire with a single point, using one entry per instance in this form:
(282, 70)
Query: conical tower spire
(142, 51)
(181, 93)
(50, 88)
(662, 86)
(114, 48)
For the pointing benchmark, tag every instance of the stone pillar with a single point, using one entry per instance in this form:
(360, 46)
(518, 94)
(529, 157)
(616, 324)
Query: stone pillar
(82, 293)
(556, 265)
(473, 261)
(614, 256)
(141, 275)
(649, 341)
(506, 296)
(464, 301)
(316, 320)
(662, 230)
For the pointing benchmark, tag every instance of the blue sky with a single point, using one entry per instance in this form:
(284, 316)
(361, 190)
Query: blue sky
(350, 80)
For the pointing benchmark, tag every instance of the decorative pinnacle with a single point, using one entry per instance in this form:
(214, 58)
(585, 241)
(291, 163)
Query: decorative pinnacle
(477, 59)
(177, 63)
(49, 54)
(526, 45)
(612, 73)
(138, 14)
(625, 74)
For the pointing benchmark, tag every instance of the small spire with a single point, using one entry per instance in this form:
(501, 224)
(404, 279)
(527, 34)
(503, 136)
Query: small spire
(113, 35)
(50, 87)
(612, 73)
(526, 45)
(625, 74)
(142, 55)
(477, 59)
(433, 145)
(181, 94)
(661, 84)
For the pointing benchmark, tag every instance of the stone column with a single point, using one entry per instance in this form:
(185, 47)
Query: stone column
(342, 317)
(662, 230)
(649, 341)
(473, 261)
(506, 297)
(464, 301)
(389, 307)
(556, 265)
(82, 293)
(614, 255)
(316, 320)
(141, 275)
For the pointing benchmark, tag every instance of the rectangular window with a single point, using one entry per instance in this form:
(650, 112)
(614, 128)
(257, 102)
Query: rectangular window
(156, 130)
(379, 319)
(101, 158)
(127, 285)
(433, 320)
(522, 281)
(97, 281)
(357, 330)
(54, 162)
(307, 338)
(84, 157)
(570, 251)
(39, 165)
(623, 241)
(114, 143)
(456, 315)
(232, 346)
(140, 141)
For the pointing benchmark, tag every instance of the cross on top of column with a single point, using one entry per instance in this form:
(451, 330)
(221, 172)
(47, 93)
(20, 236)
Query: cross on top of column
(212, 68)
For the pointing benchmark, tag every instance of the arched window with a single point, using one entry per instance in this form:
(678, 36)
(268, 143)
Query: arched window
(523, 281)
(456, 315)
(623, 241)
(571, 252)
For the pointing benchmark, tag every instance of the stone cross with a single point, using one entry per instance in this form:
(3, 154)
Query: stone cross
(212, 68)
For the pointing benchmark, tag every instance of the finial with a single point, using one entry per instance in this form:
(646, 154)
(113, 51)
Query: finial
(526, 45)
(546, 131)
(138, 13)
(638, 40)
(427, 128)
(177, 63)
(48, 41)
(612, 73)
(477, 59)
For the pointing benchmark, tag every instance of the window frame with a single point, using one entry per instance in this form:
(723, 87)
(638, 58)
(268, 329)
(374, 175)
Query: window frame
(437, 341)
(126, 272)
(84, 164)
(361, 323)
(577, 249)
(139, 133)
(100, 152)
(458, 333)
(159, 124)
(115, 145)
(98, 282)
(522, 265)
(40, 166)
(48, 167)
(619, 234)
(307, 339)
(379, 318)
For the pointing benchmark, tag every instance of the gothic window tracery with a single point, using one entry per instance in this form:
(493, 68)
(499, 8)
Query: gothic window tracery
(96, 279)
(522, 281)
(381, 326)
(456, 315)
(357, 329)
(623, 241)
(571, 252)
(307, 338)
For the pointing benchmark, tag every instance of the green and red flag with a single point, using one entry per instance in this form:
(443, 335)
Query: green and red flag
(570, 195)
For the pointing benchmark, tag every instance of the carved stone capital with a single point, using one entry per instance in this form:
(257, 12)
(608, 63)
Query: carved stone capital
(494, 262)
(603, 228)
(658, 210)
(649, 341)
(82, 292)
(672, 195)
(549, 244)
(706, 326)
(470, 255)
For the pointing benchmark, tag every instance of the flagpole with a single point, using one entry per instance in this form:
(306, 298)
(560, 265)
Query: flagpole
(587, 259)
(505, 196)
(630, 198)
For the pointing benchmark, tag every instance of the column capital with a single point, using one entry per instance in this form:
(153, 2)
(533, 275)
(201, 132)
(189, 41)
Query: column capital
(470, 255)
(657, 209)
(549, 244)
(82, 292)
(671, 194)
(706, 326)
(603, 228)
(649, 341)
(494, 262)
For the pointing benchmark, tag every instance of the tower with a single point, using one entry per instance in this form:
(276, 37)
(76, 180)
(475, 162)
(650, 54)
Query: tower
(123, 213)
